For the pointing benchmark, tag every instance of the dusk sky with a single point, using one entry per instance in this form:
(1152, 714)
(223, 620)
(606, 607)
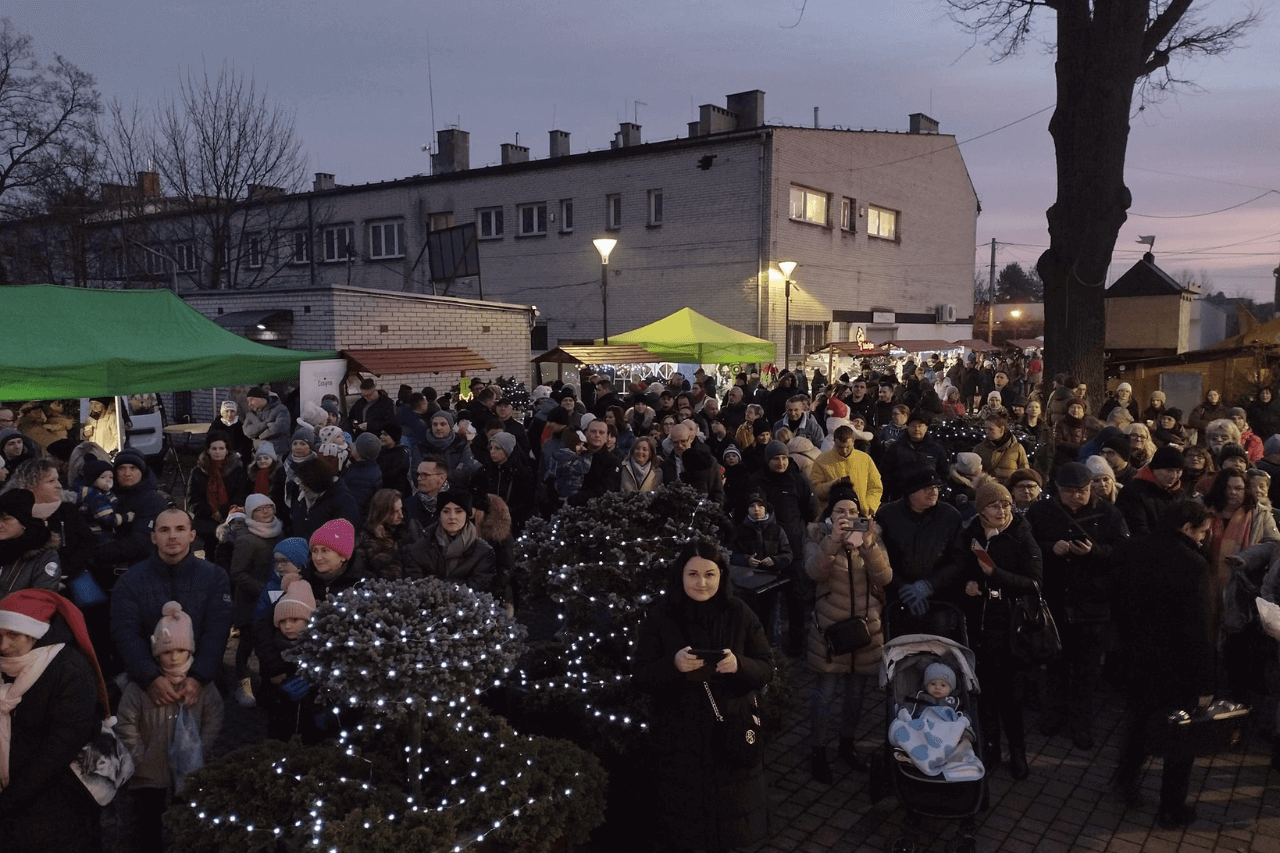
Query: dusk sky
(357, 77)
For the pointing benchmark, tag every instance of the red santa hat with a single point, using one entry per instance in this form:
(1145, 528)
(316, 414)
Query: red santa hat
(30, 611)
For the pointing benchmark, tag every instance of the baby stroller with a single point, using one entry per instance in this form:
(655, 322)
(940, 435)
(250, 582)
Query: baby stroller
(938, 636)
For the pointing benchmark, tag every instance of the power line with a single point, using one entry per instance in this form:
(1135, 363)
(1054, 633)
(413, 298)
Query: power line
(1197, 215)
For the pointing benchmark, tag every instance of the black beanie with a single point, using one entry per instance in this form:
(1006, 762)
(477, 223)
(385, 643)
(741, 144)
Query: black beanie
(1166, 457)
(459, 497)
(92, 469)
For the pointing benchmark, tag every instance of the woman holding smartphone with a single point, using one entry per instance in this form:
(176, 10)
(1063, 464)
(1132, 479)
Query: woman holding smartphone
(845, 558)
(701, 654)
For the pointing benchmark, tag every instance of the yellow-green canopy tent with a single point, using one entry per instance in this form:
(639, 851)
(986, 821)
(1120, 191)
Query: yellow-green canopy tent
(687, 336)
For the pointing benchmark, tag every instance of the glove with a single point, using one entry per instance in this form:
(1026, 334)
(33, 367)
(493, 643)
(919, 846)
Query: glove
(916, 597)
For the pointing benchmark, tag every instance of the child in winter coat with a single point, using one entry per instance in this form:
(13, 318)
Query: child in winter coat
(147, 729)
(288, 697)
(759, 542)
(97, 502)
(571, 464)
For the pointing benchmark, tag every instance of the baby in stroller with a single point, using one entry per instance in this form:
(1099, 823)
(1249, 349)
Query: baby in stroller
(932, 731)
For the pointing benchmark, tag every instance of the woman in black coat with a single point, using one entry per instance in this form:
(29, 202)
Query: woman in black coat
(217, 483)
(1001, 568)
(1162, 609)
(45, 807)
(702, 802)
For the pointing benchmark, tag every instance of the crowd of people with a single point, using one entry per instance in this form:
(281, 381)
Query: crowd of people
(850, 488)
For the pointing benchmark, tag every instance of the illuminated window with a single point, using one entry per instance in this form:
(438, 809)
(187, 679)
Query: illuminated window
(882, 222)
(809, 205)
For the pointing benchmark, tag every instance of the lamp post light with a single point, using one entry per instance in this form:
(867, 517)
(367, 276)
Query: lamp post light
(604, 245)
(787, 267)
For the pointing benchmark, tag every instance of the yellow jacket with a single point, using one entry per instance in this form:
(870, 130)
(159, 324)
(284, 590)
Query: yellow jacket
(860, 470)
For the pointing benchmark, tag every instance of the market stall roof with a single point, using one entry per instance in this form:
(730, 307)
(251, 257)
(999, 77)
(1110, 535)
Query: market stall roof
(611, 354)
(976, 345)
(423, 360)
(844, 348)
(689, 337)
(1026, 343)
(923, 345)
(63, 342)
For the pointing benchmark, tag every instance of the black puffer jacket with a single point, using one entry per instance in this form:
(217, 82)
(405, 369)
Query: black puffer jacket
(1078, 587)
(1164, 581)
(761, 539)
(702, 803)
(919, 546)
(1141, 501)
(45, 807)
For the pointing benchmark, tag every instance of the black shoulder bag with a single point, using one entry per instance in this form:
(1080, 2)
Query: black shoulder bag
(1033, 635)
(847, 635)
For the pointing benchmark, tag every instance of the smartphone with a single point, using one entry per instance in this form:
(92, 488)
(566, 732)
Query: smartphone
(860, 525)
(709, 657)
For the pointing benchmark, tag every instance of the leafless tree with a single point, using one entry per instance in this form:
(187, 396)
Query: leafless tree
(226, 157)
(1113, 58)
(48, 143)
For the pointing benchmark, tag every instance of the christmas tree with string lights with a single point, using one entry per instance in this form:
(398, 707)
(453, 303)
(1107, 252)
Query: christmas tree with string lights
(418, 764)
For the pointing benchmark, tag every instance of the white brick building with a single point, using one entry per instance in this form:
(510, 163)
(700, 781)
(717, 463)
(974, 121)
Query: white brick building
(882, 226)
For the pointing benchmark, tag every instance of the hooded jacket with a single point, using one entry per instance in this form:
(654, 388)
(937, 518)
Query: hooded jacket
(272, 424)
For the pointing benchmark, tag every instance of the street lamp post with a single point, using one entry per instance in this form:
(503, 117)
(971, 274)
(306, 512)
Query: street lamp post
(787, 267)
(604, 245)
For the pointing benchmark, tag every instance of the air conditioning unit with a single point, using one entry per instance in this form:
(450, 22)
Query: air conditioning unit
(945, 314)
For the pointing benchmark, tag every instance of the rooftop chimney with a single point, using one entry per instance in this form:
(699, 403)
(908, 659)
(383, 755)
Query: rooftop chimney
(559, 143)
(323, 181)
(454, 152)
(149, 184)
(749, 108)
(514, 153)
(922, 124)
(628, 134)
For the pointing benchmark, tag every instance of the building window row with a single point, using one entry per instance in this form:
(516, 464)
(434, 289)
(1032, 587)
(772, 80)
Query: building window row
(813, 206)
(534, 219)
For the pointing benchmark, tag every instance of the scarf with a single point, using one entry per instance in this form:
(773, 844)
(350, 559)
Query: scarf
(429, 501)
(1226, 538)
(271, 530)
(43, 511)
(178, 674)
(640, 472)
(25, 671)
(216, 490)
(441, 444)
(262, 481)
(455, 546)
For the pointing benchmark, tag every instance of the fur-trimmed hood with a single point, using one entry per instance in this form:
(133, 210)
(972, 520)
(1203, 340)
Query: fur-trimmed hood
(496, 526)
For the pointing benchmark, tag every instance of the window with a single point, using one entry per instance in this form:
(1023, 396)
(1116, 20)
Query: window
(155, 261)
(882, 222)
(613, 212)
(655, 207)
(253, 251)
(185, 254)
(808, 205)
(538, 337)
(386, 239)
(532, 219)
(566, 214)
(440, 221)
(846, 214)
(805, 336)
(299, 247)
(338, 244)
(489, 222)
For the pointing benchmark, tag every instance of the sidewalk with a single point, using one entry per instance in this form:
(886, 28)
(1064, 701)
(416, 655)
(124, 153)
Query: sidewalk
(1066, 804)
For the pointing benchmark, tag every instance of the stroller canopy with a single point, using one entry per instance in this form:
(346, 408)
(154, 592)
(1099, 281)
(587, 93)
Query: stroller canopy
(907, 645)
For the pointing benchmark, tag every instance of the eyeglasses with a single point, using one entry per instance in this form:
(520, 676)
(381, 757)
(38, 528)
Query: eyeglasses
(1027, 487)
(1001, 505)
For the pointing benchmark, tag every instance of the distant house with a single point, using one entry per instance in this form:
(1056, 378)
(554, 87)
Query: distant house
(1148, 313)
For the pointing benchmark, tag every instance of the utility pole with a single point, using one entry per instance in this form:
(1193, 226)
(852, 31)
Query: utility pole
(991, 296)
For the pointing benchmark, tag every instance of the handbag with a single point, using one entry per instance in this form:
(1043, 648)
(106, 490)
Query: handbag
(1033, 635)
(738, 739)
(104, 764)
(85, 591)
(1195, 731)
(847, 635)
(186, 752)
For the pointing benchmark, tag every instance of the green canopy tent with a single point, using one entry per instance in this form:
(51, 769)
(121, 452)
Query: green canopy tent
(687, 336)
(65, 342)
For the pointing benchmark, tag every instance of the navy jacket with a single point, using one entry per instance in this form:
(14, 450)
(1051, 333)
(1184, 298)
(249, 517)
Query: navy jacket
(139, 596)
